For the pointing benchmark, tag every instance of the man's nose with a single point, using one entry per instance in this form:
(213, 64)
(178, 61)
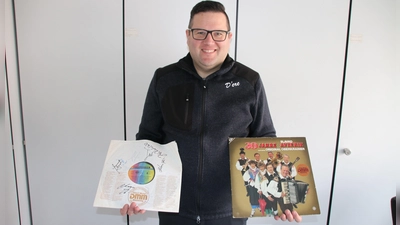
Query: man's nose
(209, 38)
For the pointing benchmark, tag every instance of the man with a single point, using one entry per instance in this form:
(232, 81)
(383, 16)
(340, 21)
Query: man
(284, 177)
(199, 102)
(257, 158)
(242, 163)
(270, 156)
(291, 166)
(272, 204)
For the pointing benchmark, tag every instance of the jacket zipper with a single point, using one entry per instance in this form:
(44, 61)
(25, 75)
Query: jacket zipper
(200, 171)
(198, 220)
(186, 108)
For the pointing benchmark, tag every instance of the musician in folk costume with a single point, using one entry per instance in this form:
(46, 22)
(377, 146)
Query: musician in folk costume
(258, 159)
(270, 190)
(261, 180)
(291, 166)
(242, 162)
(262, 171)
(250, 176)
(270, 156)
(284, 177)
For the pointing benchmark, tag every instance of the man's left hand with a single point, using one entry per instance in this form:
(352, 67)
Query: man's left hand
(290, 216)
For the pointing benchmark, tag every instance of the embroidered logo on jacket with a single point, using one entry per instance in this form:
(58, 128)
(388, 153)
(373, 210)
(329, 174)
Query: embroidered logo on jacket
(232, 84)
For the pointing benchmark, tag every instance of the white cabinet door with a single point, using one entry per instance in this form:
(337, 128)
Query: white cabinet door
(298, 48)
(365, 180)
(71, 83)
(9, 210)
(14, 208)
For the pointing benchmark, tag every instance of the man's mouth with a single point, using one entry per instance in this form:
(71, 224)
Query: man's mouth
(209, 50)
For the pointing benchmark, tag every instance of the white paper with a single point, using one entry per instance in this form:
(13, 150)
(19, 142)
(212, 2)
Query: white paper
(141, 171)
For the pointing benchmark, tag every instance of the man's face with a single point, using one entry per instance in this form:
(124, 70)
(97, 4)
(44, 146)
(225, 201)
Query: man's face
(270, 169)
(285, 171)
(286, 159)
(270, 155)
(257, 157)
(208, 55)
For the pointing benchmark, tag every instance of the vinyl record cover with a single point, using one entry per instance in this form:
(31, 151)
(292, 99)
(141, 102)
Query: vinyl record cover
(270, 175)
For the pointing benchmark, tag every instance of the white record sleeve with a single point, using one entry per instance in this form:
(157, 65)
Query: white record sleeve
(144, 172)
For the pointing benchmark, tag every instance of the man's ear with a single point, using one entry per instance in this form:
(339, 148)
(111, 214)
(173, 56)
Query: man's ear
(230, 36)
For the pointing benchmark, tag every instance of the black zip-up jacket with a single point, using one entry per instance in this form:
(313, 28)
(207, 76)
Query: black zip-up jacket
(200, 115)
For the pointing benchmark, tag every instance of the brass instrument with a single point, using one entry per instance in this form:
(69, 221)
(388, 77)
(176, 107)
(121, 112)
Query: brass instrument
(276, 160)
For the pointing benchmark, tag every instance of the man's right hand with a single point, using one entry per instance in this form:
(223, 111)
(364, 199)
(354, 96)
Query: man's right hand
(131, 209)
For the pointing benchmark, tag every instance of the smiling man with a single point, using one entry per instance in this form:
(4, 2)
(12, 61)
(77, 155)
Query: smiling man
(199, 102)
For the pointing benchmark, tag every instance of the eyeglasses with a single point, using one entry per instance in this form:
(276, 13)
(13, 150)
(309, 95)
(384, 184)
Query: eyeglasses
(201, 34)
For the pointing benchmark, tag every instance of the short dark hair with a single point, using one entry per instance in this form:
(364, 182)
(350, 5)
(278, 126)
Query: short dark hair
(208, 6)
(260, 164)
(282, 165)
(252, 162)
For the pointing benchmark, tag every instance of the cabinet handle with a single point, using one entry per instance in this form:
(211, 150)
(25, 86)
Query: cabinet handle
(347, 151)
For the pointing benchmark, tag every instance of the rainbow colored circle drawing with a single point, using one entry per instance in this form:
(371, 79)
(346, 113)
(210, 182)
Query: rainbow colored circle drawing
(142, 173)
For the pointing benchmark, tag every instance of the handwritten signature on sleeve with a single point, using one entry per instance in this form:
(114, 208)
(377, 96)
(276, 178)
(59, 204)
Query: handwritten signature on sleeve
(152, 151)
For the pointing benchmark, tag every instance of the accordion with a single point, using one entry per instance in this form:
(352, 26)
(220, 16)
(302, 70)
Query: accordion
(296, 191)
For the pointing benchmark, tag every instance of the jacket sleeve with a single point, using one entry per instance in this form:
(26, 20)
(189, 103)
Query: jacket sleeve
(262, 125)
(152, 119)
(238, 166)
(273, 189)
